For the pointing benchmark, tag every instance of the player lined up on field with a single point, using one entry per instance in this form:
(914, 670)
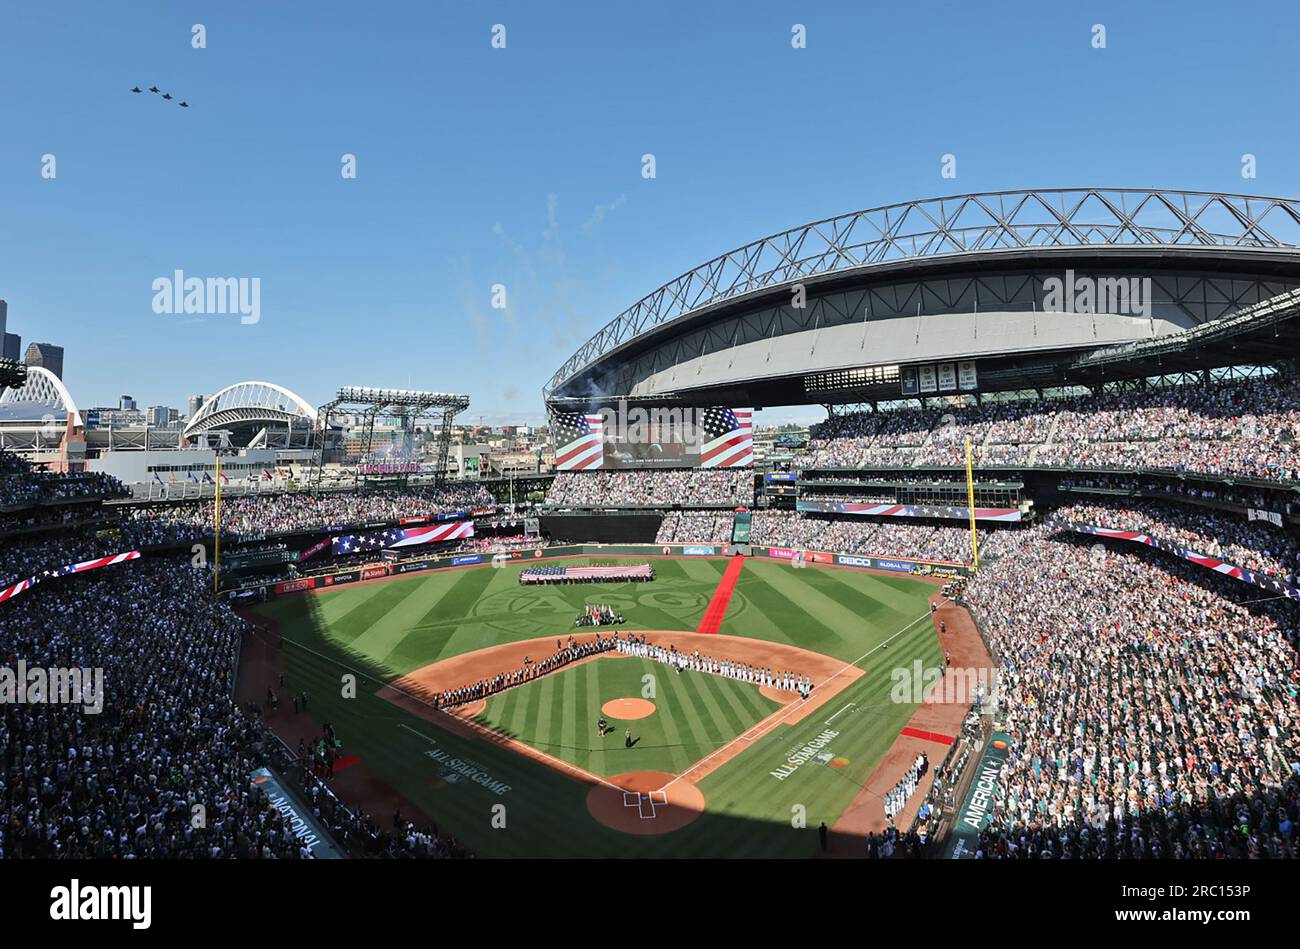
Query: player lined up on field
(531, 669)
(727, 668)
(898, 796)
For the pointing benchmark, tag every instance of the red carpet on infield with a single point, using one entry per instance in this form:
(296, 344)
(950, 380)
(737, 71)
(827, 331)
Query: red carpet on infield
(721, 597)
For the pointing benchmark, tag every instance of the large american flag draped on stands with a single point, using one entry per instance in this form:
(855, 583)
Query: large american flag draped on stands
(402, 537)
(67, 570)
(728, 438)
(580, 438)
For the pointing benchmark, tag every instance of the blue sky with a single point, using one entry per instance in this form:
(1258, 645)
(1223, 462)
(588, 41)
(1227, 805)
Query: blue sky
(522, 166)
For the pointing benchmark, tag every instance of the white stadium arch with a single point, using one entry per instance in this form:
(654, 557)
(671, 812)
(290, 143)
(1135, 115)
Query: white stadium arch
(246, 403)
(43, 388)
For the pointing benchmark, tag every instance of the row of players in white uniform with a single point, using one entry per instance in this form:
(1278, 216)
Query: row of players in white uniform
(897, 798)
(727, 668)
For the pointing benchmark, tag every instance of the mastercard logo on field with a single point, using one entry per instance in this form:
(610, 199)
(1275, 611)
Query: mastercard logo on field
(999, 744)
(839, 762)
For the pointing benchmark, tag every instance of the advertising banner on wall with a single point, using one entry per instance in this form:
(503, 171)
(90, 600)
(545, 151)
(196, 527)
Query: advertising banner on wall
(299, 818)
(295, 586)
(1272, 517)
(973, 816)
(313, 550)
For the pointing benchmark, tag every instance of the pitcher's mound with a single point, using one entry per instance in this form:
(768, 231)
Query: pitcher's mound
(645, 802)
(627, 709)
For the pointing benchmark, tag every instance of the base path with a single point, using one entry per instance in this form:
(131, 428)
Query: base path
(721, 597)
(830, 676)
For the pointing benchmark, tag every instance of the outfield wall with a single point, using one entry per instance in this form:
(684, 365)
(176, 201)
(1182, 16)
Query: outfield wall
(629, 527)
(449, 561)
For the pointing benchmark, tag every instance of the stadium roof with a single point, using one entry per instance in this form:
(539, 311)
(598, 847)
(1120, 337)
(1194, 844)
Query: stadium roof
(971, 265)
(247, 404)
(41, 398)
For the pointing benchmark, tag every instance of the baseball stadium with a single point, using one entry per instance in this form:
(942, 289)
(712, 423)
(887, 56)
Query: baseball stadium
(634, 461)
(1029, 590)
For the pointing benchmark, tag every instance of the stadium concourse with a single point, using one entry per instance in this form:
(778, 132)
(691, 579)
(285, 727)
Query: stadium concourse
(1150, 702)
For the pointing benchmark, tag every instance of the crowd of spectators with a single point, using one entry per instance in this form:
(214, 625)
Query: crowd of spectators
(1209, 493)
(1255, 545)
(1151, 714)
(1243, 429)
(125, 782)
(270, 513)
(22, 484)
(675, 487)
(43, 555)
(898, 537)
(695, 527)
(499, 542)
(168, 743)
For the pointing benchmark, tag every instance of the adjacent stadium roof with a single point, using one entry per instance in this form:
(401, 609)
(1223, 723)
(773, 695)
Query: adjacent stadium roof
(252, 403)
(42, 396)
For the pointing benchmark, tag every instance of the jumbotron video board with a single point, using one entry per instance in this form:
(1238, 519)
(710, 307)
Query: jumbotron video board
(623, 438)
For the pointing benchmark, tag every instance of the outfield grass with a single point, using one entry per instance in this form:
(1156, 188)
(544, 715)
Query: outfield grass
(695, 713)
(384, 630)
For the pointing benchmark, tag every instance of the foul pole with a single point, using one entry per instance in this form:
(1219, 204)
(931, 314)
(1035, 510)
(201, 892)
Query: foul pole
(216, 533)
(970, 506)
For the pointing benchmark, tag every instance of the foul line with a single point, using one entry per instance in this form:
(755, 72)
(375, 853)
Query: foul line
(839, 713)
(765, 727)
(503, 740)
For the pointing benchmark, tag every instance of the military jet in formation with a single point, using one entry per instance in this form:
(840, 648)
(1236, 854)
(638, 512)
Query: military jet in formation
(166, 95)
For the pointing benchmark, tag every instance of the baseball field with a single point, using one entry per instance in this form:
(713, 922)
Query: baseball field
(715, 768)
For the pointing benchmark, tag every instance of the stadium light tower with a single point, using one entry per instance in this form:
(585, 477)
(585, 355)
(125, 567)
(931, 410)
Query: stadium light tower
(410, 405)
(12, 374)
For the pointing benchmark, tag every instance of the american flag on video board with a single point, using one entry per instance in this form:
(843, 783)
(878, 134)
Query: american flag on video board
(579, 438)
(729, 438)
